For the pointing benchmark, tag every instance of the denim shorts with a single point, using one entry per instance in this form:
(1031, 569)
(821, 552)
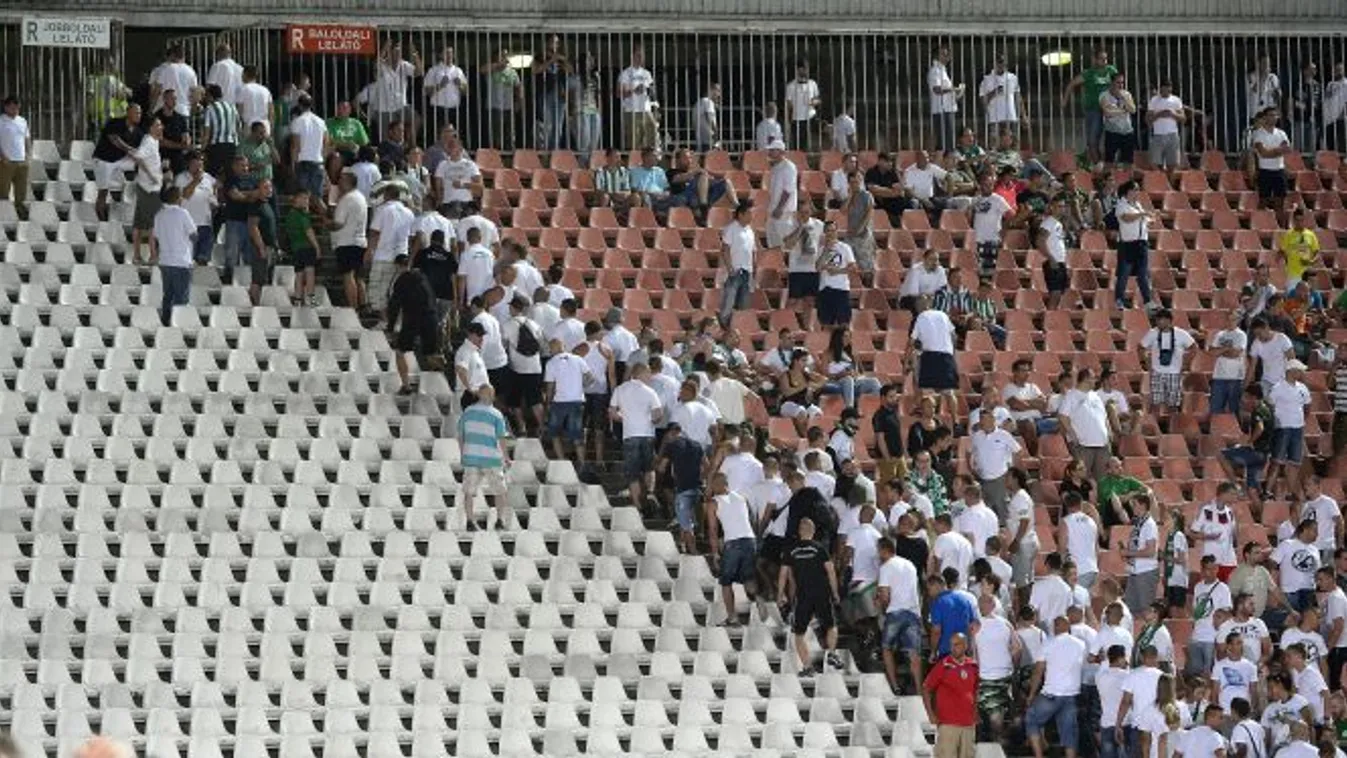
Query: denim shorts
(638, 453)
(1251, 460)
(1288, 445)
(736, 561)
(1059, 709)
(566, 421)
(902, 631)
(685, 508)
(1047, 426)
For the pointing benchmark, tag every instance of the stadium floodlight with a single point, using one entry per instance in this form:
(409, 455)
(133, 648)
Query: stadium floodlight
(521, 61)
(1057, 58)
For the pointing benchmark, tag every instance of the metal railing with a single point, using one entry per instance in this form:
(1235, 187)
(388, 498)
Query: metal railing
(55, 85)
(881, 77)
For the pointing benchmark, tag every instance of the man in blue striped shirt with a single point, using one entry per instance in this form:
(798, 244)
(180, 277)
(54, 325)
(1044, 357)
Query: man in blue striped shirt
(481, 436)
(221, 123)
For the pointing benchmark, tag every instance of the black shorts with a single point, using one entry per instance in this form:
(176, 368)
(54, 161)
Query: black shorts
(523, 390)
(812, 608)
(937, 371)
(410, 336)
(1057, 277)
(261, 270)
(596, 410)
(1271, 183)
(304, 258)
(499, 377)
(773, 547)
(834, 307)
(802, 284)
(350, 259)
(1177, 597)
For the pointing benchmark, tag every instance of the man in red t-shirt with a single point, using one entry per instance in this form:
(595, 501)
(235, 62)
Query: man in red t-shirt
(953, 683)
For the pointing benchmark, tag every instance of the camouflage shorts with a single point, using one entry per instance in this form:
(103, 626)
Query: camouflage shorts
(994, 695)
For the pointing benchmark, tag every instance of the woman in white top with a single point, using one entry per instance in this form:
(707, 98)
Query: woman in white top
(1134, 247)
(1158, 726)
(843, 376)
(1023, 533)
(149, 182)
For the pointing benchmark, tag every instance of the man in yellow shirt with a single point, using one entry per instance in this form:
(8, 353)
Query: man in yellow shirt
(1298, 247)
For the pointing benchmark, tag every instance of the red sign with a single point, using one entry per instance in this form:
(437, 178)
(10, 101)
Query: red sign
(331, 39)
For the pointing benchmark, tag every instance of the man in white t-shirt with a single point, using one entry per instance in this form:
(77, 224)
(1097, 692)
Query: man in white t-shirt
(859, 601)
(783, 194)
(997, 647)
(993, 453)
(638, 408)
(1002, 99)
(801, 245)
(200, 198)
(634, 85)
(1166, 115)
(445, 85)
(1027, 403)
(1215, 528)
(1289, 398)
(1327, 514)
(1297, 560)
(836, 262)
(390, 233)
(987, 214)
(1055, 687)
(1273, 350)
(1165, 350)
(1229, 347)
(933, 336)
(1270, 146)
(1086, 425)
(977, 522)
(1234, 675)
(945, 96)
(16, 145)
(171, 241)
(1050, 593)
(1205, 740)
(1250, 628)
(226, 73)
(309, 146)
(706, 119)
(253, 100)
(950, 548)
(458, 180)
(564, 379)
(898, 594)
(802, 102)
(844, 129)
(389, 103)
(739, 246)
(173, 74)
(1209, 596)
(922, 182)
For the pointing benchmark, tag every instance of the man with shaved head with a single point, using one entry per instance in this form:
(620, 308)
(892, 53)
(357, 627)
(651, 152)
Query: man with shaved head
(953, 684)
(807, 574)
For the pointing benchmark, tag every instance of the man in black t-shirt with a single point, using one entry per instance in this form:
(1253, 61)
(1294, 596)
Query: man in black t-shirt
(411, 299)
(808, 575)
(906, 544)
(883, 181)
(177, 141)
(440, 268)
(684, 459)
(120, 136)
(240, 193)
(888, 428)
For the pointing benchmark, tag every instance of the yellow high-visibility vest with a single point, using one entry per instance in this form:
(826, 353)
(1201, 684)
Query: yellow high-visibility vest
(107, 98)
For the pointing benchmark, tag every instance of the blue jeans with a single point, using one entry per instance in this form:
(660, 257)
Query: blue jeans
(851, 386)
(1225, 396)
(737, 559)
(1061, 710)
(204, 245)
(1094, 129)
(554, 123)
(588, 129)
(946, 136)
(177, 283)
(238, 248)
(1249, 459)
(309, 174)
(1108, 743)
(734, 297)
(1133, 260)
(1300, 599)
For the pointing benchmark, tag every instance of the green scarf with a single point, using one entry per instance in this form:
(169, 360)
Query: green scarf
(1167, 557)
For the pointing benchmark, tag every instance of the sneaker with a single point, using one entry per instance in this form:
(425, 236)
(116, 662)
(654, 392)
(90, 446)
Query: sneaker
(472, 525)
(807, 673)
(313, 300)
(500, 525)
(833, 661)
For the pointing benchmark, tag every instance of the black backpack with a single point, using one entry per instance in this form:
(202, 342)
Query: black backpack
(527, 342)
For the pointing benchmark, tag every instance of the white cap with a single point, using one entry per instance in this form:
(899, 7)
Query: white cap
(1294, 365)
(776, 144)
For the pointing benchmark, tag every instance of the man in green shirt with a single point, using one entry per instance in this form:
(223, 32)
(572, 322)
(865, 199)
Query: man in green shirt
(347, 132)
(260, 152)
(1115, 489)
(1091, 83)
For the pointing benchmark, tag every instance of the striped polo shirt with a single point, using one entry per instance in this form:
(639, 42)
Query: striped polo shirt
(480, 428)
(223, 121)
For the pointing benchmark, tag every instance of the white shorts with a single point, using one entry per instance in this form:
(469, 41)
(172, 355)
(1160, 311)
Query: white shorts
(488, 481)
(110, 176)
(778, 229)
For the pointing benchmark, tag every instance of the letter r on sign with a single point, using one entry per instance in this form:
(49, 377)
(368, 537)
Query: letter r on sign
(296, 38)
(32, 31)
